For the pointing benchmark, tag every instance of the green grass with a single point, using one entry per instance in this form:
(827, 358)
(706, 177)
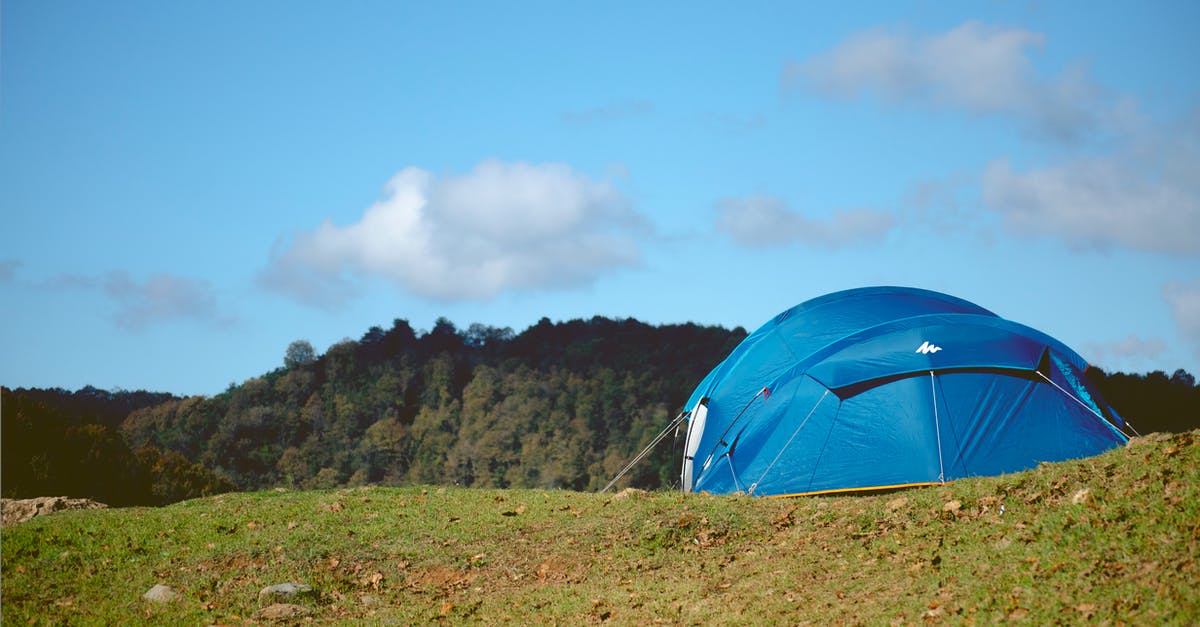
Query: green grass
(1126, 550)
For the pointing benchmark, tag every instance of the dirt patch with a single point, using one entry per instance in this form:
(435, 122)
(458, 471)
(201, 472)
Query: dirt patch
(440, 580)
(625, 494)
(17, 511)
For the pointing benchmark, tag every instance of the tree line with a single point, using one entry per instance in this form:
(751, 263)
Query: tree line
(59, 443)
(1153, 401)
(560, 405)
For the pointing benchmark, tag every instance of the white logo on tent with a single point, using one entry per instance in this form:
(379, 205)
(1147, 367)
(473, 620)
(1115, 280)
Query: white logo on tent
(927, 348)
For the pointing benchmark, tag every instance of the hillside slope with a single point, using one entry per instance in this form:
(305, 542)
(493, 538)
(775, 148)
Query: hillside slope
(1110, 538)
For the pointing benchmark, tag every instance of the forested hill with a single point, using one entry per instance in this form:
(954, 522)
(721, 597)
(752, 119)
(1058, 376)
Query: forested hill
(560, 405)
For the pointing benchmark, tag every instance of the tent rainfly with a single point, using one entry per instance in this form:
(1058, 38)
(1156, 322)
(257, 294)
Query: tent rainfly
(888, 387)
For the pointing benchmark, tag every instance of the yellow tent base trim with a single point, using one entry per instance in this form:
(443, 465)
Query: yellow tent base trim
(844, 490)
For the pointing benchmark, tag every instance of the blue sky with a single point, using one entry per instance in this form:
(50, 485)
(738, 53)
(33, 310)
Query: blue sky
(186, 188)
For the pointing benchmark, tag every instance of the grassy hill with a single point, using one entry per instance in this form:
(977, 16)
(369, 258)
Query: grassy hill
(1114, 538)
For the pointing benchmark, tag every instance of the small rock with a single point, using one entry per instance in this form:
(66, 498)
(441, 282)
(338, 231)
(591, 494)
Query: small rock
(1080, 496)
(952, 506)
(161, 594)
(282, 610)
(284, 591)
(14, 511)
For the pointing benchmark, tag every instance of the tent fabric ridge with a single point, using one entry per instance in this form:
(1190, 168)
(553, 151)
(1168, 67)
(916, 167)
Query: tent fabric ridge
(847, 391)
(907, 323)
(845, 295)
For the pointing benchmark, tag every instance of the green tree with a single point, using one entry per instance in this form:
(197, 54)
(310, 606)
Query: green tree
(173, 478)
(299, 353)
(384, 452)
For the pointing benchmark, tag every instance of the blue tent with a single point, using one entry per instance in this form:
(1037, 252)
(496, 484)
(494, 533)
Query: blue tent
(887, 387)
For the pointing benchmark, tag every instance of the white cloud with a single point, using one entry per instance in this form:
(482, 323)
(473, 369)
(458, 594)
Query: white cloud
(8, 270)
(1144, 196)
(502, 226)
(609, 113)
(949, 205)
(1130, 353)
(1142, 192)
(160, 298)
(977, 67)
(1184, 299)
(737, 123)
(766, 221)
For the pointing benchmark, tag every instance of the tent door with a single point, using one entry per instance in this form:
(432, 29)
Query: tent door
(694, 433)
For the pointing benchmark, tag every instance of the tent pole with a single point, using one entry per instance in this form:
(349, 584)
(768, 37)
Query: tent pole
(733, 473)
(937, 427)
